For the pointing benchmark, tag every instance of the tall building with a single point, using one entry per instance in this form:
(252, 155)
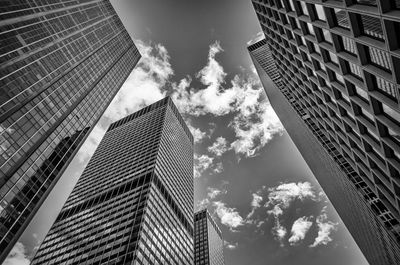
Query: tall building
(208, 241)
(133, 203)
(61, 63)
(332, 71)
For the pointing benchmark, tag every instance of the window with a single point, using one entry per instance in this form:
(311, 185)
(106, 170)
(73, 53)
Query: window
(333, 58)
(367, 2)
(394, 115)
(327, 35)
(310, 29)
(379, 58)
(361, 93)
(348, 45)
(341, 18)
(355, 70)
(304, 10)
(339, 78)
(316, 48)
(386, 87)
(291, 5)
(320, 12)
(372, 27)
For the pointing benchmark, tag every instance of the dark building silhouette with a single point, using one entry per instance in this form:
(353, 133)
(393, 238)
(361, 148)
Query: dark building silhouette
(133, 203)
(331, 71)
(208, 241)
(61, 63)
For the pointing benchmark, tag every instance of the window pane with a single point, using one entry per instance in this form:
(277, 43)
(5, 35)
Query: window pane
(334, 58)
(327, 35)
(310, 29)
(304, 8)
(341, 18)
(320, 12)
(380, 58)
(349, 45)
(372, 27)
(362, 93)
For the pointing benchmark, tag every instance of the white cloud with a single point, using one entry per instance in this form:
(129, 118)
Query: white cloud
(145, 84)
(218, 168)
(198, 134)
(214, 192)
(201, 163)
(231, 246)
(228, 216)
(325, 228)
(90, 145)
(255, 203)
(281, 196)
(259, 36)
(17, 256)
(219, 147)
(279, 231)
(299, 229)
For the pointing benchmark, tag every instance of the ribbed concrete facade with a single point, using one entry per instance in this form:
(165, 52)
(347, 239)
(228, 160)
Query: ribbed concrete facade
(335, 64)
(61, 63)
(133, 203)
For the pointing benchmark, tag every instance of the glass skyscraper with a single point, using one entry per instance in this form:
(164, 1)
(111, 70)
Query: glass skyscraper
(208, 241)
(61, 63)
(332, 71)
(133, 203)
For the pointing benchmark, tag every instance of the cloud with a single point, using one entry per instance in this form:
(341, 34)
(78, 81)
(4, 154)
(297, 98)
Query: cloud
(299, 229)
(212, 193)
(218, 168)
(279, 231)
(231, 246)
(198, 135)
(325, 228)
(90, 145)
(145, 84)
(201, 164)
(228, 216)
(281, 196)
(17, 256)
(255, 203)
(219, 147)
(259, 36)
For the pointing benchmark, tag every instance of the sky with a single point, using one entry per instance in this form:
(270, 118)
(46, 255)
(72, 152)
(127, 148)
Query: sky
(248, 172)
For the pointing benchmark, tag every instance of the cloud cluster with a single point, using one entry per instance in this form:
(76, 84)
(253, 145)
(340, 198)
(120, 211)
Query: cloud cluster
(325, 228)
(17, 256)
(201, 164)
(299, 229)
(228, 216)
(219, 147)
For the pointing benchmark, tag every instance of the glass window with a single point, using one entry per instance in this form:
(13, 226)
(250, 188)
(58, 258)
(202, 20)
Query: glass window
(291, 5)
(386, 87)
(334, 58)
(304, 9)
(355, 70)
(380, 58)
(391, 112)
(320, 12)
(341, 18)
(371, 26)
(349, 45)
(327, 35)
(310, 29)
(339, 78)
(367, 2)
(361, 93)
(367, 114)
(316, 48)
(303, 40)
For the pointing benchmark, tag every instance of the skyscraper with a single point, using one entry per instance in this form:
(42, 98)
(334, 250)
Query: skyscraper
(331, 71)
(208, 241)
(61, 63)
(133, 203)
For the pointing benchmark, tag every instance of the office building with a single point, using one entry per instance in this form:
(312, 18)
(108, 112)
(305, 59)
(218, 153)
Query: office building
(133, 204)
(208, 241)
(61, 63)
(332, 71)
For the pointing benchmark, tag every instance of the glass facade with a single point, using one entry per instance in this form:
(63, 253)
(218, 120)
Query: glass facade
(133, 203)
(208, 241)
(61, 63)
(343, 107)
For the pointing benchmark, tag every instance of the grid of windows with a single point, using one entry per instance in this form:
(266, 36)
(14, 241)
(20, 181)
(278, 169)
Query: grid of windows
(345, 101)
(131, 203)
(60, 67)
(208, 241)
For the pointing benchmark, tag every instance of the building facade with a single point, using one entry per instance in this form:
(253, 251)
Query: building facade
(61, 63)
(332, 71)
(208, 241)
(133, 204)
